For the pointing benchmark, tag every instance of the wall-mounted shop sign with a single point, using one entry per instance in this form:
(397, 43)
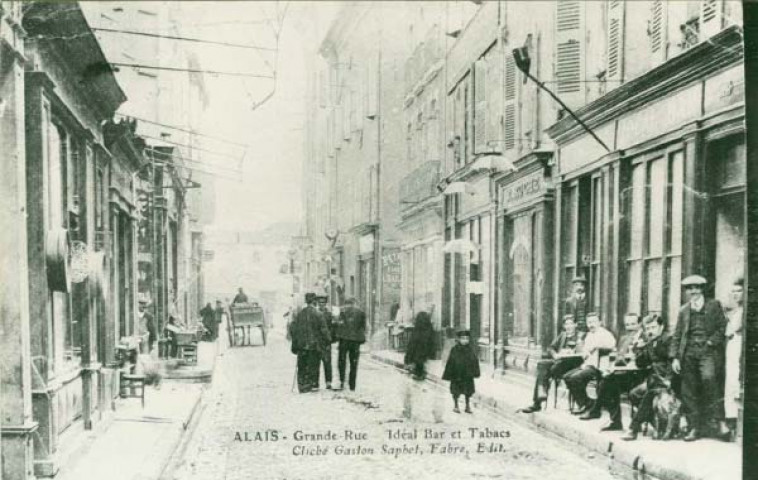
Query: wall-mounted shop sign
(522, 191)
(366, 244)
(392, 270)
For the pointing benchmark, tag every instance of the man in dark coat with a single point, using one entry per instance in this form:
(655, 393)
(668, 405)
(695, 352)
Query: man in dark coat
(351, 333)
(576, 304)
(555, 367)
(697, 352)
(208, 316)
(461, 369)
(240, 297)
(326, 353)
(655, 356)
(309, 336)
(421, 346)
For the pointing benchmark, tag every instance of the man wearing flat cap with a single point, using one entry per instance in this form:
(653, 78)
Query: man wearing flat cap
(696, 349)
(309, 337)
(576, 304)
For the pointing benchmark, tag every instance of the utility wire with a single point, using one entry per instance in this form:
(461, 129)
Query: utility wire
(190, 167)
(192, 70)
(171, 142)
(179, 129)
(226, 169)
(184, 39)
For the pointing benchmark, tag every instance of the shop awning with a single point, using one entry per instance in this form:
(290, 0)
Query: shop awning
(495, 162)
(460, 245)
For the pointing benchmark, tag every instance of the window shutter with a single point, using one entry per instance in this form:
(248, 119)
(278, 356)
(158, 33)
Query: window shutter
(615, 69)
(323, 90)
(657, 31)
(569, 37)
(494, 103)
(346, 114)
(510, 104)
(480, 106)
(371, 87)
(711, 17)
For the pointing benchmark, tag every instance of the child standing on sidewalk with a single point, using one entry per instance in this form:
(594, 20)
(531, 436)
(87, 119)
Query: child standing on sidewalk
(461, 369)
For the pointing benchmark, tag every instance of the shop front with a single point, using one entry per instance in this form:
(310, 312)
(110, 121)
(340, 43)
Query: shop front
(669, 200)
(525, 323)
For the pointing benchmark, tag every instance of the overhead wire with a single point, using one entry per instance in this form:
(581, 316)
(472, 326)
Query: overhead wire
(183, 39)
(171, 142)
(235, 171)
(180, 129)
(191, 70)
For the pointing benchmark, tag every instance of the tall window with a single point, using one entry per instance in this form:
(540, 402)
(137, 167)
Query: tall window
(654, 263)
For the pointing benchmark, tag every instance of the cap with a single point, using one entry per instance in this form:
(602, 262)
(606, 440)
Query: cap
(322, 298)
(569, 316)
(142, 302)
(579, 279)
(463, 333)
(310, 297)
(694, 280)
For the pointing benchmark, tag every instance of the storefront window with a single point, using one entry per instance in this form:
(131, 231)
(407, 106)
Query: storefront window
(655, 235)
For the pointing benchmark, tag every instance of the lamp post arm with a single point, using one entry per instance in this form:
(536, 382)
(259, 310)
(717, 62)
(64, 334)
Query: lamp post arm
(571, 112)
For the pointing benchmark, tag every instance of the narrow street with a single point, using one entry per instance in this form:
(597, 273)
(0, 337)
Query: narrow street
(251, 395)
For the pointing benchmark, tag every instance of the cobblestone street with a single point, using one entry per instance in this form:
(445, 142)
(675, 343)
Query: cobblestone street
(253, 424)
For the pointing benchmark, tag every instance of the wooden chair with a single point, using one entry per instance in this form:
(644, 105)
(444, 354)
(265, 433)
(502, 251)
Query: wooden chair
(132, 386)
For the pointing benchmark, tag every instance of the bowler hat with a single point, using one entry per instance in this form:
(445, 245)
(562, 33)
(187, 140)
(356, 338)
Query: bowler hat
(694, 280)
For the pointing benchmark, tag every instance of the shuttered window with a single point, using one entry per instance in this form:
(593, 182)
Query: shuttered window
(569, 51)
(480, 106)
(615, 43)
(711, 17)
(510, 104)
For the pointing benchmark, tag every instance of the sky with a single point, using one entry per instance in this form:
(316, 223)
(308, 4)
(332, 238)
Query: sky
(269, 189)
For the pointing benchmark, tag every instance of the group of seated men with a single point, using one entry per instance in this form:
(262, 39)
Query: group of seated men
(644, 364)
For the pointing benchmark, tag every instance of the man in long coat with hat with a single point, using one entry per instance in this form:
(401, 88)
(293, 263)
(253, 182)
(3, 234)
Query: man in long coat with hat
(310, 335)
(696, 350)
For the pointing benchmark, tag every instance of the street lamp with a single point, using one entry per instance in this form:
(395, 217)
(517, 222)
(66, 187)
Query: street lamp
(523, 63)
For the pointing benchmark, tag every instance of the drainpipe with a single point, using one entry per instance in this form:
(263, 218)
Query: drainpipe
(377, 234)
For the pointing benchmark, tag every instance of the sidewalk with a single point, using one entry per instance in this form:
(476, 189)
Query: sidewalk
(135, 443)
(705, 459)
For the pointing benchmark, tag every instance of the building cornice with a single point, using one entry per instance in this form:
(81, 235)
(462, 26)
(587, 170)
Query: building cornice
(704, 59)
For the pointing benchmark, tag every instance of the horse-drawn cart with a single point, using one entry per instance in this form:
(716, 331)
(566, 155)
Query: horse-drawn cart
(244, 318)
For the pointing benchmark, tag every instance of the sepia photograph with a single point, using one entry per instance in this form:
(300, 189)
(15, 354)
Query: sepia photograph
(463, 239)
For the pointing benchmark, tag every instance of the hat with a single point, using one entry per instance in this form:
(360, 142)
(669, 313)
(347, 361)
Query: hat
(322, 298)
(463, 333)
(694, 280)
(142, 302)
(579, 279)
(310, 297)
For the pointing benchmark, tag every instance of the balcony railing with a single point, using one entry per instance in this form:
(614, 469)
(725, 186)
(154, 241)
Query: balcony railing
(420, 184)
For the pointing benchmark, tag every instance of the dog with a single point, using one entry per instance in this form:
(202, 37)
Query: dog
(666, 410)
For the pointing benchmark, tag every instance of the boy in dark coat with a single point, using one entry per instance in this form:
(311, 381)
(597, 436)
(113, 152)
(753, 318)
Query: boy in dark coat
(461, 369)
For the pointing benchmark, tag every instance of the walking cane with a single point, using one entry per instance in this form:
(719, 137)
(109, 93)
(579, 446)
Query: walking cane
(294, 379)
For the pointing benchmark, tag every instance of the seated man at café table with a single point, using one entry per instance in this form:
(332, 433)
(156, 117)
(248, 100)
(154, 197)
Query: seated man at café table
(622, 374)
(563, 358)
(598, 339)
(655, 357)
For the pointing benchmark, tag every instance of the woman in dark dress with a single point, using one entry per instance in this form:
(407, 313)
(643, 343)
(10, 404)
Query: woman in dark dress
(421, 346)
(461, 369)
